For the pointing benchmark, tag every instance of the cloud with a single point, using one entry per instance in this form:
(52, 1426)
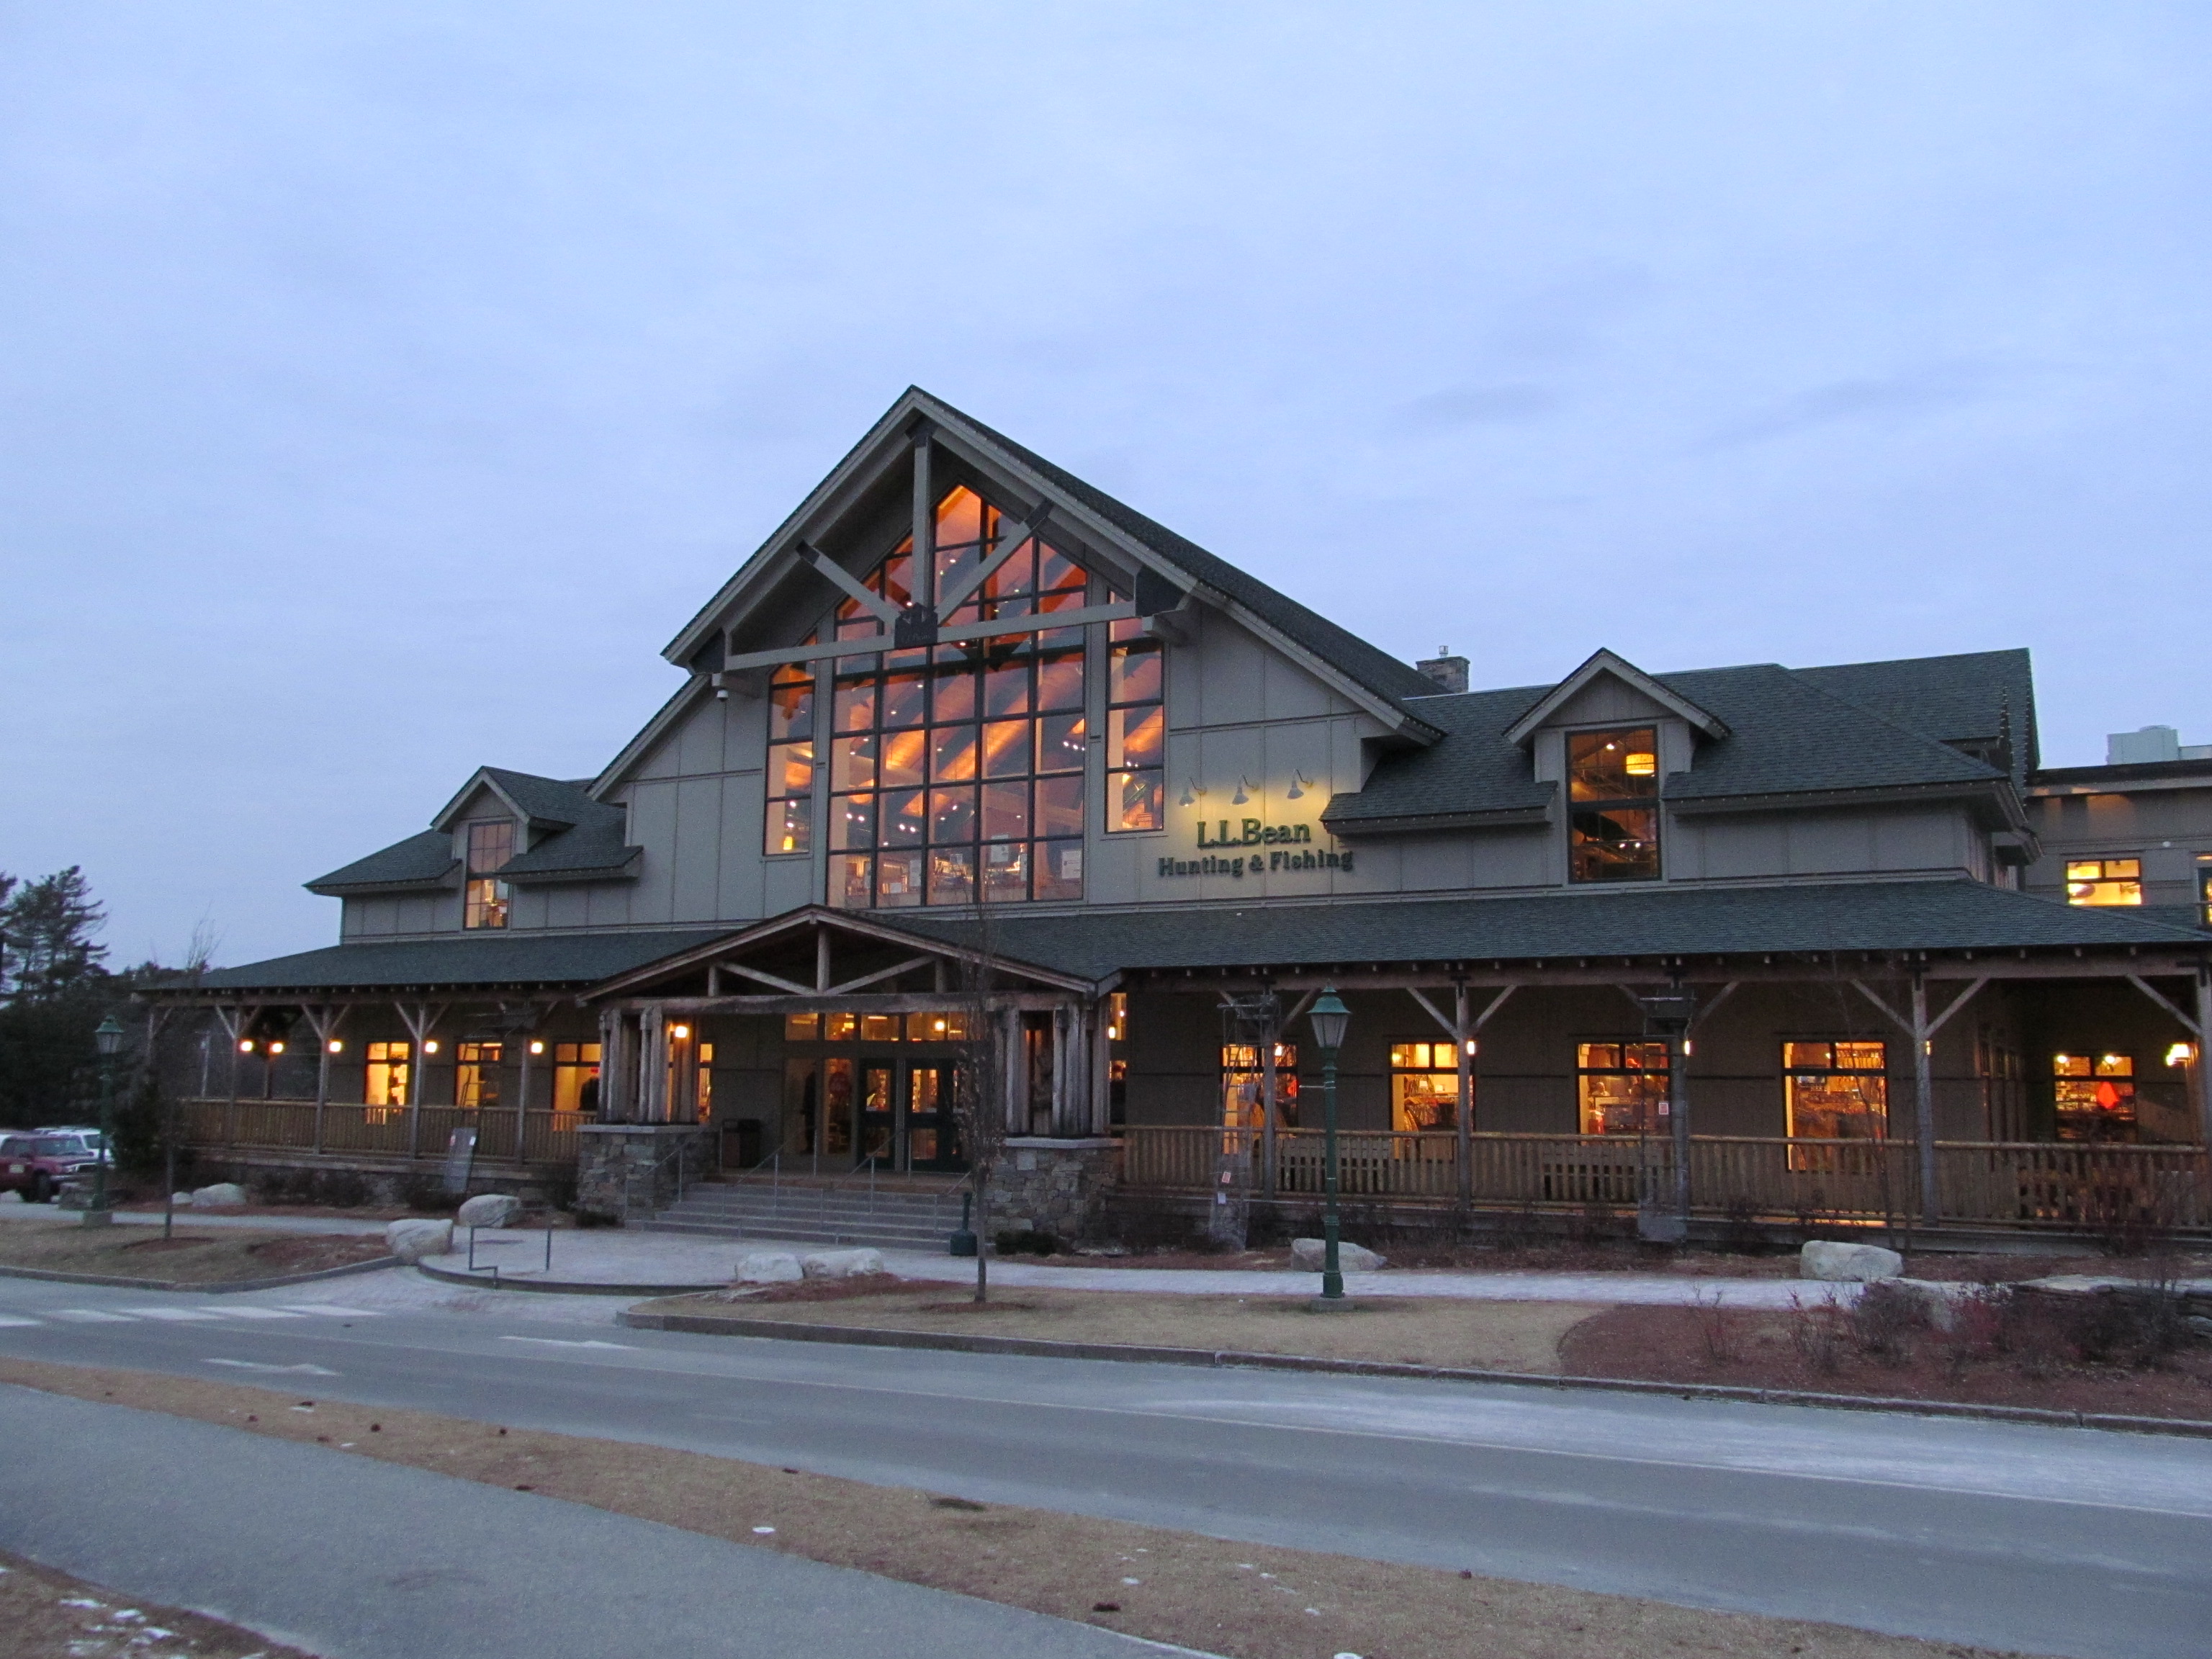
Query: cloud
(1474, 405)
(1917, 392)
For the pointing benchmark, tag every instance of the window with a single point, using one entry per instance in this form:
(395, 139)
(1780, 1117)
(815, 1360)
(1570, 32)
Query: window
(1424, 1087)
(1613, 813)
(956, 772)
(476, 1073)
(1836, 1090)
(1136, 730)
(2104, 881)
(790, 761)
(802, 1027)
(490, 847)
(2204, 890)
(1244, 1085)
(384, 1085)
(576, 1077)
(1622, 1086)
(2096, 1096)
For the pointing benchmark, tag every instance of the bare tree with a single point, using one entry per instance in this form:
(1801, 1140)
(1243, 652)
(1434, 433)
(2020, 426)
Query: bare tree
(980, 1084)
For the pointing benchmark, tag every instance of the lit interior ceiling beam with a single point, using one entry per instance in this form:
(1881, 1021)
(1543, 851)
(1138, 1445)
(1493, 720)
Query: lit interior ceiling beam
(957, 633)
(958, 594)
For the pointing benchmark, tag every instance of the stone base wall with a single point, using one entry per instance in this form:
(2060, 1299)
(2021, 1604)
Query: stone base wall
(1050, 1186)
(349, 1183)
(631, 1170)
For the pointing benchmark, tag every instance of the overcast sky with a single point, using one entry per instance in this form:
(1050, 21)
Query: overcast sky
(382, 386)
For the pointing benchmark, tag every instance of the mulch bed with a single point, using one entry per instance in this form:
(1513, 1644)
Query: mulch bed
(2039, 1361)
(43, 1612)
(815, 1290)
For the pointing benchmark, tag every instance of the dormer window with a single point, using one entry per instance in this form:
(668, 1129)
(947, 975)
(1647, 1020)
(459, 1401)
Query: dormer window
(490, 847)
(1612, 812)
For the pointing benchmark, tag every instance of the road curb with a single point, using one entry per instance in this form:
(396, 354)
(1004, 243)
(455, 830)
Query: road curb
(1045, 1348)
(565, 1288)
(219, 1288)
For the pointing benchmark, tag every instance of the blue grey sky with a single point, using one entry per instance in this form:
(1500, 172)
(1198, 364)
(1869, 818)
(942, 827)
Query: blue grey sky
(382, 386)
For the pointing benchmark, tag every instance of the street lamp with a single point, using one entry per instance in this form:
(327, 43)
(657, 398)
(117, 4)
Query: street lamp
(107, 1037)
(1330, 1016)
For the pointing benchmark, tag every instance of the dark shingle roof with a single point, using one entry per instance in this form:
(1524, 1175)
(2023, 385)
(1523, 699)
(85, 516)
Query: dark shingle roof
(1372, 667)
(1814, 919)
(593, 850)
(1788, 734)
(424, 862)
(1972, 696)
(546, 800)
(476, 960)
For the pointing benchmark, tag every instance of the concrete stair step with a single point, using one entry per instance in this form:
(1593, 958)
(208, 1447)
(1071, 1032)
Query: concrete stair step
(884, 1238)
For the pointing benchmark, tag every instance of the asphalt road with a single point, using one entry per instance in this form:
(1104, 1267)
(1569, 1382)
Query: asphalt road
(2052, 1541)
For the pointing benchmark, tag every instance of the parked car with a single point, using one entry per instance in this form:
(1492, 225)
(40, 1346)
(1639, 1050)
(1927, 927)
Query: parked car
(84, 1134)
(35, 1164)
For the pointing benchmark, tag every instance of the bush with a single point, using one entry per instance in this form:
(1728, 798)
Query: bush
(1028, 1242)
(1884, 1321)
(598, 1218)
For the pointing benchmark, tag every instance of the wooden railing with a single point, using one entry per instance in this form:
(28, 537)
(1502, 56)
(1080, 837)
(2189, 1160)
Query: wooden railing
(2033, 1183)
(380, 1132)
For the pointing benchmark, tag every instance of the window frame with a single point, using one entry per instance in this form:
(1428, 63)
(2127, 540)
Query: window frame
(1599, 806)
(1658, 1119)
(1794, 1069)
(1430, 1048)
(2124, 886)
(486, 903)
(2104, 1066)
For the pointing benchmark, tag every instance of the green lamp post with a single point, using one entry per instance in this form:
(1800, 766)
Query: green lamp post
(1330, 1016)
(108, 1039)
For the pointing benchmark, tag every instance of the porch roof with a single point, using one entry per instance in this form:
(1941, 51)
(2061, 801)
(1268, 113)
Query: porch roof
(1894, 918)
(479, 962)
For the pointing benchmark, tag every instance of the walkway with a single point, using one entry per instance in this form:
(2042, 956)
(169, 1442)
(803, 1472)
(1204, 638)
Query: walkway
(357, 1560)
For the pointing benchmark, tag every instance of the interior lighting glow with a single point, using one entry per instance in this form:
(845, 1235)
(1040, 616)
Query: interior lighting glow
(1640, 765)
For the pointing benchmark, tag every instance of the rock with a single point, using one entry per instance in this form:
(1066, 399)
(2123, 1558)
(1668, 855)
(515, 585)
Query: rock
(224, 1194)
(770, 1267)
(841, 1264)
(1848, 1263)
(181, 1200)
(489, 1210)
(417, 1237)
(1307, 1253)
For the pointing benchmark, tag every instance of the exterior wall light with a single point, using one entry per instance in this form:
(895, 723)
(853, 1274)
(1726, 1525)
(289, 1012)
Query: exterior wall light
(537, 1048)
(1241, 798)
(276, 1047)
(245, 1046)
(2182, 1053)
(679, 1032)
(336, 1045)
(431, 1046)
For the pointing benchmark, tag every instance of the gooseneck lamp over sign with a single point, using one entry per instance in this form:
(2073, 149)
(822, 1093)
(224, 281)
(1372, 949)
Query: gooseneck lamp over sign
(1330, 1017)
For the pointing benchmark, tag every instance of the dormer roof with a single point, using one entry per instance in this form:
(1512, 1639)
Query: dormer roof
(1605, 662)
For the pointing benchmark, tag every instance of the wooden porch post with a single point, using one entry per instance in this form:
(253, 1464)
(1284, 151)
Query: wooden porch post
(1269, 1106)
(1923, 1097)
(522, 1094)
(1102, 1072)
(1678, 1110)
(1016, 1105)
(420, 1020)
(2203, 1059)
(610, 1047)
(1463, 1098)
(653, 1061)
(323, 1021)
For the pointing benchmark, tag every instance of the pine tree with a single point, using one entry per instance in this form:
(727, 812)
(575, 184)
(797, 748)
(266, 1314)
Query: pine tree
(48, 926)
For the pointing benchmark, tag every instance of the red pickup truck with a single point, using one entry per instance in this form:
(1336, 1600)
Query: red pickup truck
(36, 1164)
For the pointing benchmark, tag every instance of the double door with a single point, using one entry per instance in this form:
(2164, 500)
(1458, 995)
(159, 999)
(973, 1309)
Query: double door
(905, 1114)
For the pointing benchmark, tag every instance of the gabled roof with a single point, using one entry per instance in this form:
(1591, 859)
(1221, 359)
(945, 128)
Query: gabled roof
(1603, 662)
(542, 803)
(1783, 735)
(423, 863)
(1368, 674)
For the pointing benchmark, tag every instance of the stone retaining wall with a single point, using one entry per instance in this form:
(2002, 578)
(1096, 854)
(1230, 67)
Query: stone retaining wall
(1056, 1187)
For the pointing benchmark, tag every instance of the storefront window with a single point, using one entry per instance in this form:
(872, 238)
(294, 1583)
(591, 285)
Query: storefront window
(476, 1073)
(790, 761)
(576, 1077)
(1836, 1090)
(2104, 881)
(2096, 1096)
(1623, 1087)
(1136, 730)
(491, 847)
(1244, 1085)
(1424, 1087)
(1613, 815)
(385, 1085)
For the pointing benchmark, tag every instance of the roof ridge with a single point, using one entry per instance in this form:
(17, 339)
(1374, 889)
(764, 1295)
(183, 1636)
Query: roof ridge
(1935, 745)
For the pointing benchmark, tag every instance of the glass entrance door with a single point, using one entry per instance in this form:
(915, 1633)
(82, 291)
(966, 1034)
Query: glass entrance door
(933, 1135)
(878, 1102)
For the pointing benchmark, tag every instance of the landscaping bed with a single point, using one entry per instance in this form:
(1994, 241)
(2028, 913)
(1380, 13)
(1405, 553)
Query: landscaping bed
(2120, 1355)
(189, 1258)
(1512, 1336)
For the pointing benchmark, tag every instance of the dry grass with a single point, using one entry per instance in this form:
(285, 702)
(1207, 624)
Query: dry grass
(44, 1615)
(1507, 1336)
(1244, 1600)
(190, 1258)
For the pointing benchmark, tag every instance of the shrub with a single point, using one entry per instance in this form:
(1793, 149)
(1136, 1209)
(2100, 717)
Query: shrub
(1028, 1242)
(1884, 1321)
(588, 1217)
(1817, 1335)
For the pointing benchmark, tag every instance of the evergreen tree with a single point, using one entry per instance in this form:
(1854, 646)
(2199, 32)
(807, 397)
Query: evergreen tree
(53, 992)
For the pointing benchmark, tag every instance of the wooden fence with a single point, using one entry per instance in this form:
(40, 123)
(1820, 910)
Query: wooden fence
(2033, 1183)
(342, 1128)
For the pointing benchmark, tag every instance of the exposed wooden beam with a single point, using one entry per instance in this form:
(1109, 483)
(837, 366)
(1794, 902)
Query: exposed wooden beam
(880, 974)
(956, 634)
(764, 977)
(1009, 543)
(875, 604)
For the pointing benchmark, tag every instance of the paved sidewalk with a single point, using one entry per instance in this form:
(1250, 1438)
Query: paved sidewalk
(357, 1560)
(12, 1208)
(615, 1259)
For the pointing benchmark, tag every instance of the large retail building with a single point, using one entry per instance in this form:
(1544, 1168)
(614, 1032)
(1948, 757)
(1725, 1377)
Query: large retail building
(971, 760)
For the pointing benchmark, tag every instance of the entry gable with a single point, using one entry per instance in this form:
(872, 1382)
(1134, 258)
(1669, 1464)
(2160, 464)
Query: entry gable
(817, 952)
(1602, 665)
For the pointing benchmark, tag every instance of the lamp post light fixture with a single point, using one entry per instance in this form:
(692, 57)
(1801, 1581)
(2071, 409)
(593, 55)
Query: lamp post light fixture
(1330, 1016)
(107, 1038)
